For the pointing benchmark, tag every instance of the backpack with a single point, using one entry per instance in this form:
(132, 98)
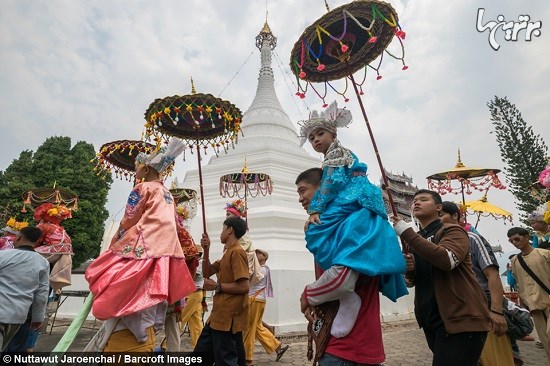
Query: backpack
(519, 320)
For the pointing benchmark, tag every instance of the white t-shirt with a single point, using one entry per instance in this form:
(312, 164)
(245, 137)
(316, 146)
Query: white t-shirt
(260, 285)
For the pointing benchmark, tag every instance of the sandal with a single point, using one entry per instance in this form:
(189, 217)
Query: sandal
(281, 352)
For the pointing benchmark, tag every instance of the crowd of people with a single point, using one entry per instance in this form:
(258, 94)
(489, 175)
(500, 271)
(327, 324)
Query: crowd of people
(154, 276)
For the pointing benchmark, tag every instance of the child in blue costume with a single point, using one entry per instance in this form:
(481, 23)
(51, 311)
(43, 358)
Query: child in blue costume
(348, 224)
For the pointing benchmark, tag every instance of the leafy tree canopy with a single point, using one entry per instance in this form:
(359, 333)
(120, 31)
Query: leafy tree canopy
(523, 151)
(56, 162)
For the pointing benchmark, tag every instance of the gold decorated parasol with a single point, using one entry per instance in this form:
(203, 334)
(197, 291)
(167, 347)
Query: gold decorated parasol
(482, 207)
(470, 178)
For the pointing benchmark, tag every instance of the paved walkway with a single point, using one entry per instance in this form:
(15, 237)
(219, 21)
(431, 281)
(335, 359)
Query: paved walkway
(403, 341)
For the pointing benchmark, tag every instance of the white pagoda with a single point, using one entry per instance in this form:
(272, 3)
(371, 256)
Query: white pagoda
(270, 145)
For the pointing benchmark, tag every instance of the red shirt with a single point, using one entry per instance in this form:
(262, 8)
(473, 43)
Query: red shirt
(364, 343)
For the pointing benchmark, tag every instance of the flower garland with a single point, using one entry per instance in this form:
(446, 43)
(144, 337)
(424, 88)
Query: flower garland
(16, 225)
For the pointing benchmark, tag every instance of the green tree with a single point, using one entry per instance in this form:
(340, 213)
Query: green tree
(523, 151)
(56, 162)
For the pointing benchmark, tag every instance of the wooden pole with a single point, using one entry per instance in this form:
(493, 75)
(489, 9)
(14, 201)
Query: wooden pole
(201, 190)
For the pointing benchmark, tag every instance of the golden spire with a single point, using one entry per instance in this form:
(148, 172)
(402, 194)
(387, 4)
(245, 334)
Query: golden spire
(459, 163)
(193, 91)
(266, 28)
(245, 169)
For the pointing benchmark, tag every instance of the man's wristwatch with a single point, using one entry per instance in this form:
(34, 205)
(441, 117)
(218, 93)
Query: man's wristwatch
(218, 288)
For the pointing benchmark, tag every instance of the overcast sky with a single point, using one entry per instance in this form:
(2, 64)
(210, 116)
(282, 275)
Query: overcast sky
(89, 69)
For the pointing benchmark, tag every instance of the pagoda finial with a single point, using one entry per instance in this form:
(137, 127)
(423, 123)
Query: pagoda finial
(193, 91)
(326, 6)
(266, 28)
(266, 35)
(459, 163)
(245, 168)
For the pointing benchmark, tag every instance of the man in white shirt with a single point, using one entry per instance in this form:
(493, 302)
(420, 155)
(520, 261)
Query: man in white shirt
(532, 294)
(24, 282)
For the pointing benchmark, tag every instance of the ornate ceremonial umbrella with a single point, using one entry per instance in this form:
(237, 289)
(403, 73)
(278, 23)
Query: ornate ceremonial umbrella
(482, 207)
(245, 184)
(201, 120)
(120, 156)
(470, 178)
(56, 196)
(347, 39)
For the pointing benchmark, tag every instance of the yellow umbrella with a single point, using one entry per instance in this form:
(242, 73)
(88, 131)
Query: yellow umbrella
(484, 208)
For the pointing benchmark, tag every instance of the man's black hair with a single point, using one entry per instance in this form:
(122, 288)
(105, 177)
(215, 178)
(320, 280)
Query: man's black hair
(436, 197)
(311, 176)
(451, 208)
(517, 230)
(237, 224)
(31, 233)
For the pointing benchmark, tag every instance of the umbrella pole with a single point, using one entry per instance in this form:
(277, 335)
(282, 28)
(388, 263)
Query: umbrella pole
(464, 204)
(245, 200)
(384, 177)
(201, 189)
(478, 217)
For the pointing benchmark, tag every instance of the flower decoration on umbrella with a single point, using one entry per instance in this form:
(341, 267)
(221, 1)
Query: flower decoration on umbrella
(340, 43)
(55, 196)
(469, 179)
(201, 120)
(120, 157)
(245, 184)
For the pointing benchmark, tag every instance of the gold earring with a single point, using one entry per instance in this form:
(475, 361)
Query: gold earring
(142, 179)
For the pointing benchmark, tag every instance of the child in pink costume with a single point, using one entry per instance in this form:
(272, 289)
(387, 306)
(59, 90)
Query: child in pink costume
(144, 265)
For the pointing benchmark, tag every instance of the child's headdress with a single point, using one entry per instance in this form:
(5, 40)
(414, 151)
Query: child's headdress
(13, 226)
(330, 119)
(236, 207)
(48, 212)
(163, 158)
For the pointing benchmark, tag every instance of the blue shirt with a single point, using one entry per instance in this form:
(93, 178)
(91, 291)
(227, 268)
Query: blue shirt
(24, 282)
